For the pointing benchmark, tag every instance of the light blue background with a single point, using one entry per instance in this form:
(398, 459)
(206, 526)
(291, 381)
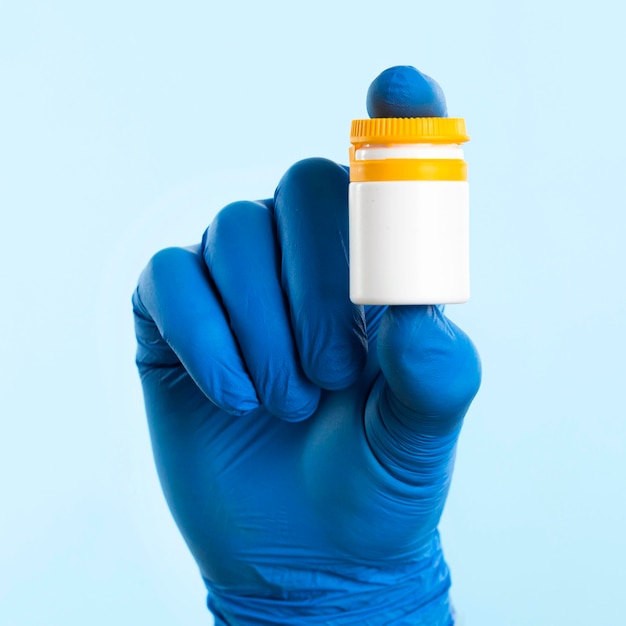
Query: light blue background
(125, 125)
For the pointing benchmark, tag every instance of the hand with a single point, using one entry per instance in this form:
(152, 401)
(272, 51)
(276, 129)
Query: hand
(304, 444)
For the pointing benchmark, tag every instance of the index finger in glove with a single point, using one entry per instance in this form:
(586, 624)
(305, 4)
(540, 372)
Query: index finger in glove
(311, 211)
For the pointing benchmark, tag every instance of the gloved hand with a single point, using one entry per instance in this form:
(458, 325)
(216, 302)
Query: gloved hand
(304, 444)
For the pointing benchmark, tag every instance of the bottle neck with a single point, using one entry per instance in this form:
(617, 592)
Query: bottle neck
(408, 151)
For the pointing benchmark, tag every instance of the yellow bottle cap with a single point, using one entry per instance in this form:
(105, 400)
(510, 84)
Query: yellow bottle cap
(392, 130)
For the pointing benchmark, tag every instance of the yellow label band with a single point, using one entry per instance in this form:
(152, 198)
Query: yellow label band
(407, 169)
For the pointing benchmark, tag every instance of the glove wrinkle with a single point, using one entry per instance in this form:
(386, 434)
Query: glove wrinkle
(420, 461)
(411, 593)
(152, 349)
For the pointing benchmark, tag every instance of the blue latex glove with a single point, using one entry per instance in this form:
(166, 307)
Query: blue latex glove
(305, 444)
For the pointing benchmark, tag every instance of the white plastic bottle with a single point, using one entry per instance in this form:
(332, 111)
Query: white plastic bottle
(409, 211)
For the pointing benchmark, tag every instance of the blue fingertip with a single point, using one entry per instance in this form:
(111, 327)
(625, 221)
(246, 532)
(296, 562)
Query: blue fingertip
(403, 91)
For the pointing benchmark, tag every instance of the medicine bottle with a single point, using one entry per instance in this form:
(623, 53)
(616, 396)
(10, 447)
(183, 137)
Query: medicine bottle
(409, 211)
